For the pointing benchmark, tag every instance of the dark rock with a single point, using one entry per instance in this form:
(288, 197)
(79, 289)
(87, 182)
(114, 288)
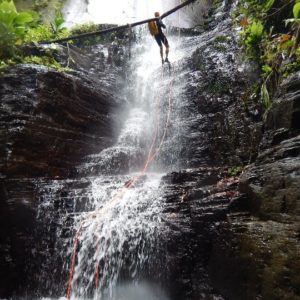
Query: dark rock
(258, 255)
(49, 120)
(224, 237)
(197, 202)
(49, 123)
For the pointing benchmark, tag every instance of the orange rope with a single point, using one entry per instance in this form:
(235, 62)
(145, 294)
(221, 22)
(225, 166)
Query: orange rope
(97, 275)
(73, 261)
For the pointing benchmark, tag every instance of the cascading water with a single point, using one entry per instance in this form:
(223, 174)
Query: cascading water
(117, 236)
(108, 239)
(124, 232)
(108, 231)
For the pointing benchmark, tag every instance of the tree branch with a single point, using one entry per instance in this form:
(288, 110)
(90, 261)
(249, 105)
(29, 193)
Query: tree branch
(118, 28)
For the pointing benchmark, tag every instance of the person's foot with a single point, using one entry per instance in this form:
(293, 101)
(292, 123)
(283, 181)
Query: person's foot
(167, 61)
(162, 61)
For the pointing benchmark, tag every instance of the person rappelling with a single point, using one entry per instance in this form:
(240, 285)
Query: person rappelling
(155, 28)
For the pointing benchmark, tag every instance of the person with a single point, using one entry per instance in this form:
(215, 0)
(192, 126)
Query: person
(155, 28)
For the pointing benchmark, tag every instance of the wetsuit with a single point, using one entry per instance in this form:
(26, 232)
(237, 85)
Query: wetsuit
(160, 37)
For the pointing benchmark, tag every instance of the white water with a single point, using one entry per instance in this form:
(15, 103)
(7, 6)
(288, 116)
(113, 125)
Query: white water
(129, 11)
(119, 229)
(110, 12)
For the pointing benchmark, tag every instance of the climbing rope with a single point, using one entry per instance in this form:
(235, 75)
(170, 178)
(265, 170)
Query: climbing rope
(150, 157)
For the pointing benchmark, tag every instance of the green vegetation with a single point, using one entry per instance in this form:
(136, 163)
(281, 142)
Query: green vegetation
(234, 171)
(18, 29)
(13, 27)
(220, 43)
(90, 27)
(253, 36)
(42, 60)
(221, 86)
(271, 36)
(38, 5)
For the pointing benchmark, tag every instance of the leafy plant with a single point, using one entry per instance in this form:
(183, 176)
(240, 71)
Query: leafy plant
(58, 24)
(235, 170)
(43, 60)
(253, 35)
(295, 23)
(273, 46)
(38, 4)
(91, 27)
(266, 70)
(13, 27)
(255, 9)
(265, 96)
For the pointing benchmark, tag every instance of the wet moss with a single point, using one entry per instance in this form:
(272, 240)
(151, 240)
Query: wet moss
(220, 86)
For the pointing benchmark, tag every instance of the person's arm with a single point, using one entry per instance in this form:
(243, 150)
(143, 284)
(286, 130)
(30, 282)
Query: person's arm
(161, 23)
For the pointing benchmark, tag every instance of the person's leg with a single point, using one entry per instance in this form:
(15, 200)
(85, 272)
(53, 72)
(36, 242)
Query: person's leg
(166, 43)
(158, 40)
(161, 53)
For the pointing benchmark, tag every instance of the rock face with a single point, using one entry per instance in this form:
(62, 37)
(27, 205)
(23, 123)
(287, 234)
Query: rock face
(238, 237)
(49, 123)
(197, 203)
(233, 237)
(270, 241)
(225, 236)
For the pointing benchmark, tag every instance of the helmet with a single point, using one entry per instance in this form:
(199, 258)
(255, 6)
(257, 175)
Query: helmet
(156, 14)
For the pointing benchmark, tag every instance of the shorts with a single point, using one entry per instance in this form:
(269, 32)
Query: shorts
(160, 38)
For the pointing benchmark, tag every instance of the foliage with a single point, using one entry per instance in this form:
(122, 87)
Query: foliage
(42, 60)
(253, 36)
(267, 41)
(255, 9)
(20, 28)
(58, 24)
(265, 96)
(91, 27)
(38, 4)
(266, 70)
(235, 170)
(5, 64)
(296, 10)
(82, 28)
(293, 66)
(13, 27)
(39, 33)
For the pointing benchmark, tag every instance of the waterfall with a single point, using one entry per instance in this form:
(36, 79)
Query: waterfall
(117, 232)
(108, 237)
(108, 228)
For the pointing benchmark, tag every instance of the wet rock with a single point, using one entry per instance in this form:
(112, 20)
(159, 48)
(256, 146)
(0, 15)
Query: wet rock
(50, 121)
(197, 202)
(244, 239)
(273, 181)
(222, 238)
(17, 221)
(258, 255)
(215, 121)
